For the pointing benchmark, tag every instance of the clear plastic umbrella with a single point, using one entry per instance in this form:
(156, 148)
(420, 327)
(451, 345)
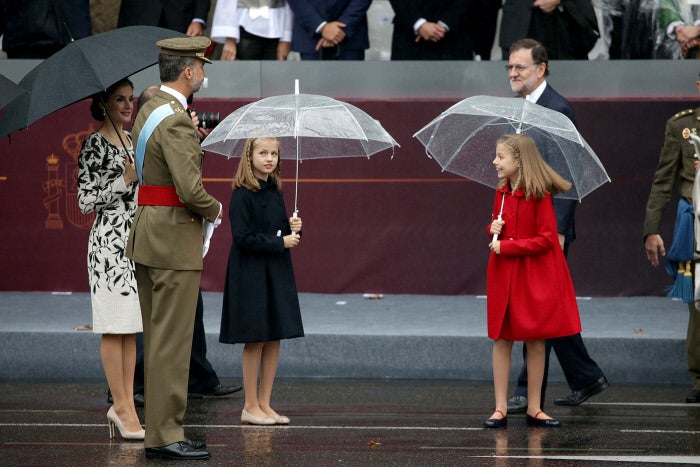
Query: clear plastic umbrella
(308, 126)
(463, 141)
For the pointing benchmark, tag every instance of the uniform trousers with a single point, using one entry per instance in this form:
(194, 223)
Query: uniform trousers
(203, 377)
(168, 302)
(692, 345)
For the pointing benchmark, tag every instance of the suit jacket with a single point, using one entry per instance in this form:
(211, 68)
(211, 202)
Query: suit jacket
(457, 43)
(309, 14)
(170, 14)
(566, 33)
(169, 237)
(563, 208)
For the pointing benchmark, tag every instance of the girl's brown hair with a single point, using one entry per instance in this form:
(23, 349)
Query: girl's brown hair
(536, 176)
(244, 174)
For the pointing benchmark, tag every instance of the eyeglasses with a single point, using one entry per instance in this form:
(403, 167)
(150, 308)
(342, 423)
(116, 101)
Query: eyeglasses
(519, 68)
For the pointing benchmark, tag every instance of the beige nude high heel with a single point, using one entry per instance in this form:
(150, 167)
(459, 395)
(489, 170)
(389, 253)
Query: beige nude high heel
(113, 420)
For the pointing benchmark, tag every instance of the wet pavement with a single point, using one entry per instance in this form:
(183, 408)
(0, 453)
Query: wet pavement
(352, 422)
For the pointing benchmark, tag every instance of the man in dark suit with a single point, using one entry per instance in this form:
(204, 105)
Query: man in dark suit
(39, 28)
(188, 16)
(432, 30)
(567, 28)
(165, 242)
(330, 29)
(528, 67)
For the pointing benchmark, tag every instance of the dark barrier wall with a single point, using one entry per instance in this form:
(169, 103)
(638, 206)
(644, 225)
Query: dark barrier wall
(371, 225)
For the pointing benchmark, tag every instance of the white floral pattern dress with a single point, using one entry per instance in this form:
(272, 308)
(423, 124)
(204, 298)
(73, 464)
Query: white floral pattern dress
(101, 188)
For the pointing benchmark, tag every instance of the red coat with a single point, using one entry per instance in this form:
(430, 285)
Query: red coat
(529, 291)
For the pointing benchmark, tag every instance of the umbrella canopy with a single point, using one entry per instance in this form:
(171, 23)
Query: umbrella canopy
(9, 91)
(308, 126)
(463, 141)
(82, 68)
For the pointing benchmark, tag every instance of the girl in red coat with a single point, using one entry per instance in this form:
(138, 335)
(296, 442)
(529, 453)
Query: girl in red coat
(530, 296)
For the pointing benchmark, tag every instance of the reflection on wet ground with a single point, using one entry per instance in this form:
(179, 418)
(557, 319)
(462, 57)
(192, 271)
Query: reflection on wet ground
(362, 423)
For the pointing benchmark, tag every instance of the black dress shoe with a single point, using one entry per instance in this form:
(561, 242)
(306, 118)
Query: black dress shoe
(180, 450)
(693, 397)
(199, 445)
(577, 397)
(216, 391)
(517, 404)
(543, 422)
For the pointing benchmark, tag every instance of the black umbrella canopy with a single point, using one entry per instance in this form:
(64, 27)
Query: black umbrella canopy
(9, 91)
(81, 69)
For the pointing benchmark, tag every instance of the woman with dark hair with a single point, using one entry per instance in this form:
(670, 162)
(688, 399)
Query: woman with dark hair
(107, 183)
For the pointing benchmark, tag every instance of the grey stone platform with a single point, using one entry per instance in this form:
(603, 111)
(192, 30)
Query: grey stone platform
(633, 339)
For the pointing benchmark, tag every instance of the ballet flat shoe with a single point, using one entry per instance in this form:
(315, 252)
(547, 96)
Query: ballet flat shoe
(114, 421)
(248, 419)
(281, 420)
(542, 422)
(496, 422)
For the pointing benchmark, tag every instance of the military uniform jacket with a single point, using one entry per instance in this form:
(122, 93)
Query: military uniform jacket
(676, 162)
(170, 237)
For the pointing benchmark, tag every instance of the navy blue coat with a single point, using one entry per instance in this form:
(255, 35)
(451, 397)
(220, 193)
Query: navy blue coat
(260, 295)
(309, 14)
(563, 208)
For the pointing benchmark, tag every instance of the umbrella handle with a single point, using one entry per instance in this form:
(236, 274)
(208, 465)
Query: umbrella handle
(295, 214)
(495, 236)
(500, 216)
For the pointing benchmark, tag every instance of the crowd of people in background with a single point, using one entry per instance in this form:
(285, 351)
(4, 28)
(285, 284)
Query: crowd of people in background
(341, 29)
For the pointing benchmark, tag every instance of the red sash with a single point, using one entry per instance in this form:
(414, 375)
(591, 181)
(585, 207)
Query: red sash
(153, 195)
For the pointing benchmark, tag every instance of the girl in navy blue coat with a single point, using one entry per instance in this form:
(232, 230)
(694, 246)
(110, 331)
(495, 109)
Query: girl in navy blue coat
(261, 305)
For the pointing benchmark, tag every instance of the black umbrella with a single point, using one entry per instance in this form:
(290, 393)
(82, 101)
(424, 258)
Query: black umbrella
(9, 91)
(82, 68)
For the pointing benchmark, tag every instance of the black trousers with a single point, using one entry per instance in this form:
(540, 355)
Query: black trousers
(202, 374)
(252, 47)
(580, 370)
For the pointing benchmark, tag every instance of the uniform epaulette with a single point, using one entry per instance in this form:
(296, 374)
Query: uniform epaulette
(682, 114)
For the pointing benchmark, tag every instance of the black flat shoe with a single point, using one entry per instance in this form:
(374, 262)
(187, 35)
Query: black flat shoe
(577, 397)
(496, 422)
(542, 422)
(693, 397)
(180, 450)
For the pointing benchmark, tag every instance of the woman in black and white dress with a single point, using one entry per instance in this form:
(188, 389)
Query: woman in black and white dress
(107, 184)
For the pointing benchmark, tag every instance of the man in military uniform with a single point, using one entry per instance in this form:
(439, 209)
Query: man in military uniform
(677, 162)
(165, 243)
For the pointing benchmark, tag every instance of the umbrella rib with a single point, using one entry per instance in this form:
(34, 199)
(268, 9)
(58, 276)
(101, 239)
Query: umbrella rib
(364, 134)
